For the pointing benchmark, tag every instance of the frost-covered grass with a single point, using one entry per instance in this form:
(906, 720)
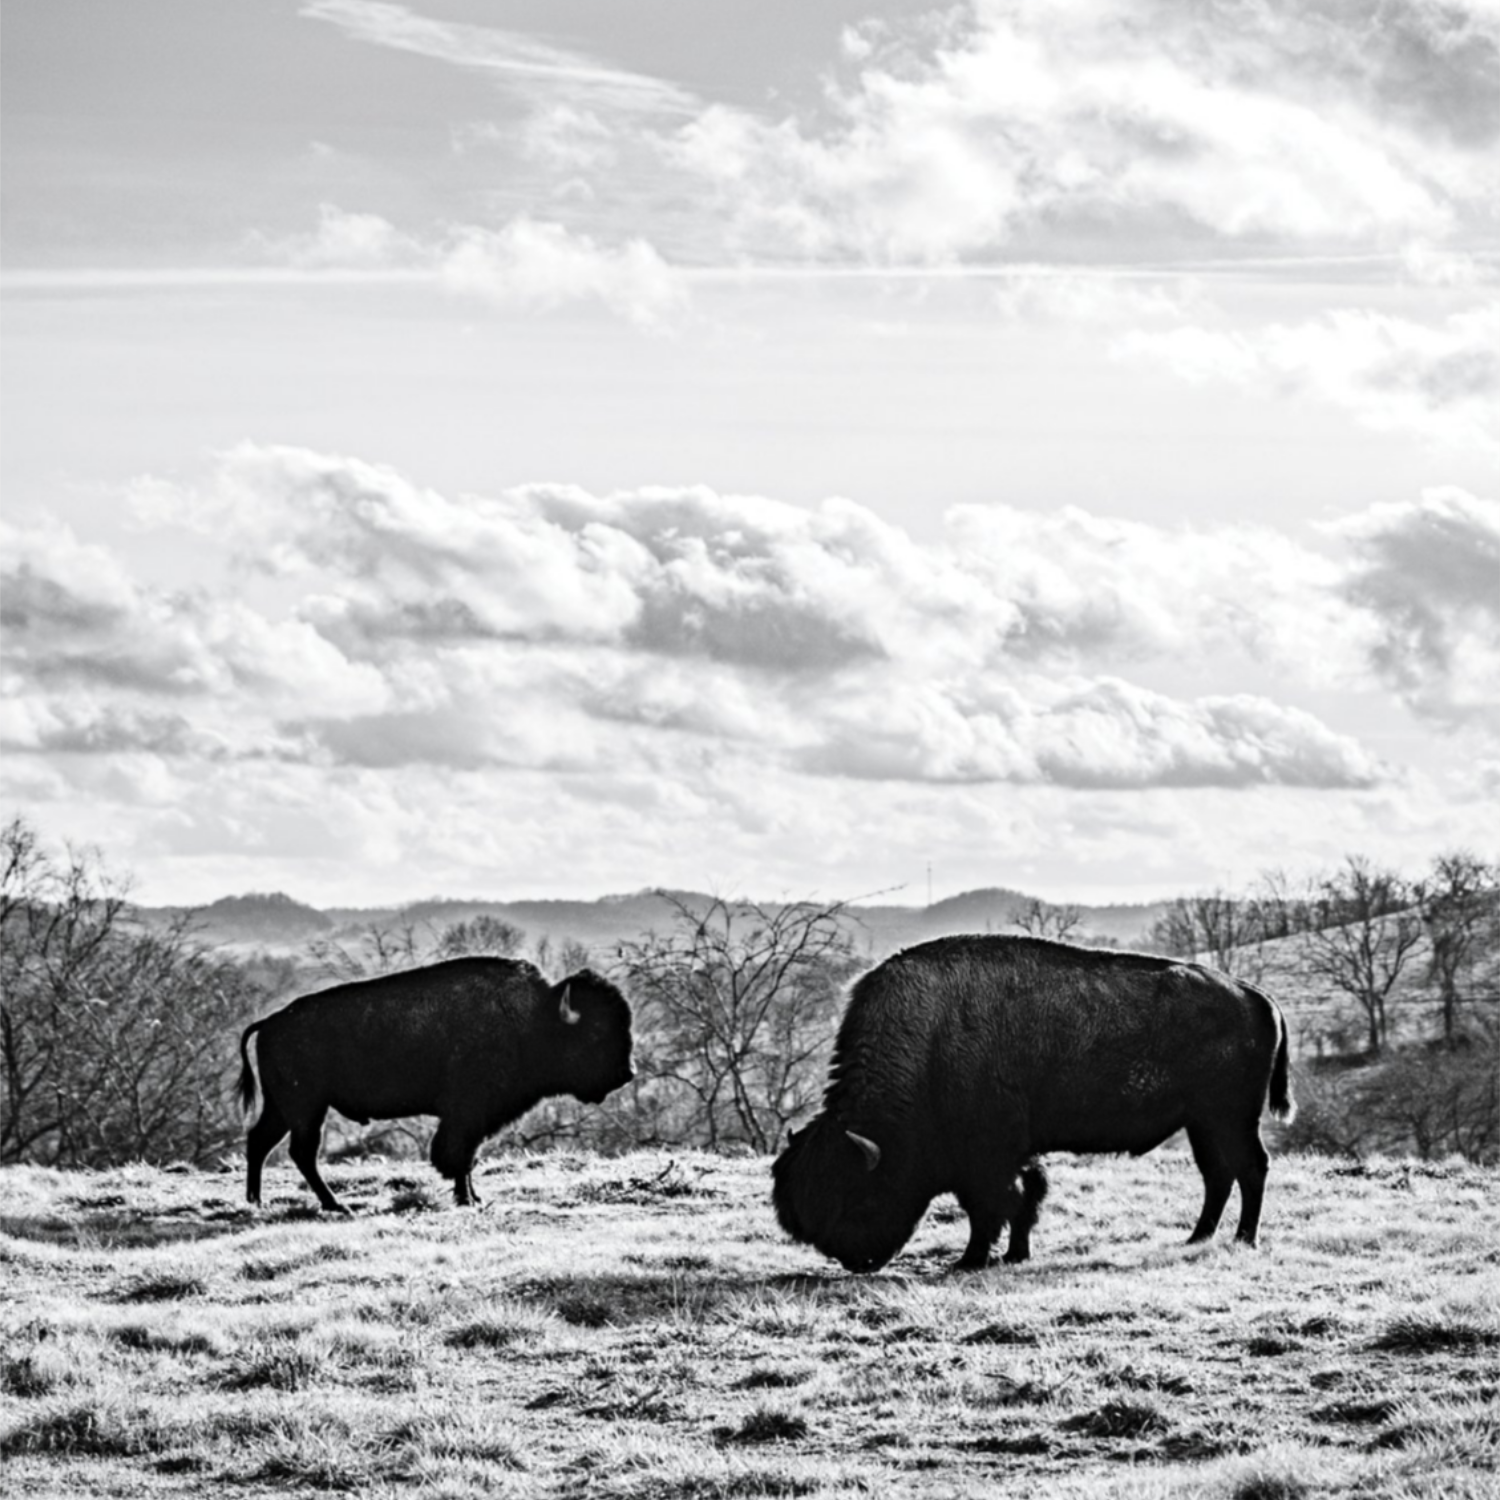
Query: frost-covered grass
(638, 1326)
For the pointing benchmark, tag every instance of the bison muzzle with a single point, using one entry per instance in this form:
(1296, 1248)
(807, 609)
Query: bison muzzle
(960, 1062)
(474, 1041)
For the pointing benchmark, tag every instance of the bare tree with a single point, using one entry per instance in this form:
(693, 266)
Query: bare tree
(1223, 929)
(1042, 919)
(1460, 909)
(112, 1035)
(383, 947)
(1366, 930)
(1281, 905)
(735, 1009)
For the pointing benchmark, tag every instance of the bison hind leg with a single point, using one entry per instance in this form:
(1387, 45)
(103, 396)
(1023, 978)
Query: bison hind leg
(263, 1138)
(989, 1206)
(1217, 1160)
(1023, 1217)
(307, 1136)
(1251, 1163)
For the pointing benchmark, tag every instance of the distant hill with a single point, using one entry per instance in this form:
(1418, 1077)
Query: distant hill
(278, 924)
(270, 920)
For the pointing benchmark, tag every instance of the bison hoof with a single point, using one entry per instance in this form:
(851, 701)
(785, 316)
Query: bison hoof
(1014, 1257)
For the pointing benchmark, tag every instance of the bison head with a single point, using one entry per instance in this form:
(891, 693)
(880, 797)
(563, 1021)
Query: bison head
(837, 1190)
(593, 1030)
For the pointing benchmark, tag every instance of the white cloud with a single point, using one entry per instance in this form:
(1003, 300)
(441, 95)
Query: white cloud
(1027, 121)
(509, 57)
(1429, 572)
(543, 688)
(95, 661)
(1440, 381)
(653, 633)
(1104, 733)
(534, 264)
(529, 265)
(346, 241)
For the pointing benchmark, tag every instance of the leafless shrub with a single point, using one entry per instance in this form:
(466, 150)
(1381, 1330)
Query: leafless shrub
(735, 1009)
(112, 1036)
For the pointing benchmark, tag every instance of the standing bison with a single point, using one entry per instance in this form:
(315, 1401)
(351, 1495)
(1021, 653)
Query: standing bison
(959, 1061)
(475, 1041)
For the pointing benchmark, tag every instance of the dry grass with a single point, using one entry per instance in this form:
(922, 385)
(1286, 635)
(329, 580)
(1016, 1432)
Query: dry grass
(638, 1327)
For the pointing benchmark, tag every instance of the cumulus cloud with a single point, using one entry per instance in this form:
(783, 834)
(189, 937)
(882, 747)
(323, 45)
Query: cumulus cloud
(534, 264)
(96, 661)
(1019, 120)
(550, 627)
(528, 265)
(1439, 380)
(1102, 734)
(378, 624)
(1429, 572)
(519, 681)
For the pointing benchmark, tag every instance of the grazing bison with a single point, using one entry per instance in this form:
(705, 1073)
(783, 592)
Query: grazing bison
(960, 1061)
(475, 1041)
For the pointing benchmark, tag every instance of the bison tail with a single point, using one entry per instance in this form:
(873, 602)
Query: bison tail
(1283, 1106)
(247, 1073)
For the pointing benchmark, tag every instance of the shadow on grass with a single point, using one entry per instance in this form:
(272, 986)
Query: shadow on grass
(126, 1231)
(619, 1300)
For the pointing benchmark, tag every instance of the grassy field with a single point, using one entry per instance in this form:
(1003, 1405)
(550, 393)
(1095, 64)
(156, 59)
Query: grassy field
(638, 1326)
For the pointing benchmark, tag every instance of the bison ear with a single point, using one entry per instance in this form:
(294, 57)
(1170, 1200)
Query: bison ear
(569, 1015)
(867, 1149)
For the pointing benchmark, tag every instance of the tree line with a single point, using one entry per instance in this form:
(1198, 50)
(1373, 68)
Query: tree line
(118, 1040)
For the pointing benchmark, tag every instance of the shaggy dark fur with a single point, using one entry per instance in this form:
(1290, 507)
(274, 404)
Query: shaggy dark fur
(475, 1041)
(960, 1061)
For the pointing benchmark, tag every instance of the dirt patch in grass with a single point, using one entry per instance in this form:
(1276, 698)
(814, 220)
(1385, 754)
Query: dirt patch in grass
(1436, 1336)
(1117, 1419)
(1001, 1333)
(143, 1338)
(673, 1181)
(1087, 1317)
(1026, 1444)
(291, 1369)
(1353, 1411)
(766, 1425)
(763, 1379)
(167, 1286)
(597, 1301)
(25, 1375)
(83, 1430)
(745, 1486)
(487, 1333)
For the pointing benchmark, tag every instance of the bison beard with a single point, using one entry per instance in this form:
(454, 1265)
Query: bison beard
(961, 1061)
(475, 1041)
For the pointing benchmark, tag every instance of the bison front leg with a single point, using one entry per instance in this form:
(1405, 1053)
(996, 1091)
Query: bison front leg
(453, 1151)
(986, 1208)
(1033, 1189)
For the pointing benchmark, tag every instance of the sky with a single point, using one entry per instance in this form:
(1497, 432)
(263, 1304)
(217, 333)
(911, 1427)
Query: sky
(523, 448)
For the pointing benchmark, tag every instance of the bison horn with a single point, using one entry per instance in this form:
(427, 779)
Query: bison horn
(566, 1011)
(868, 1149)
